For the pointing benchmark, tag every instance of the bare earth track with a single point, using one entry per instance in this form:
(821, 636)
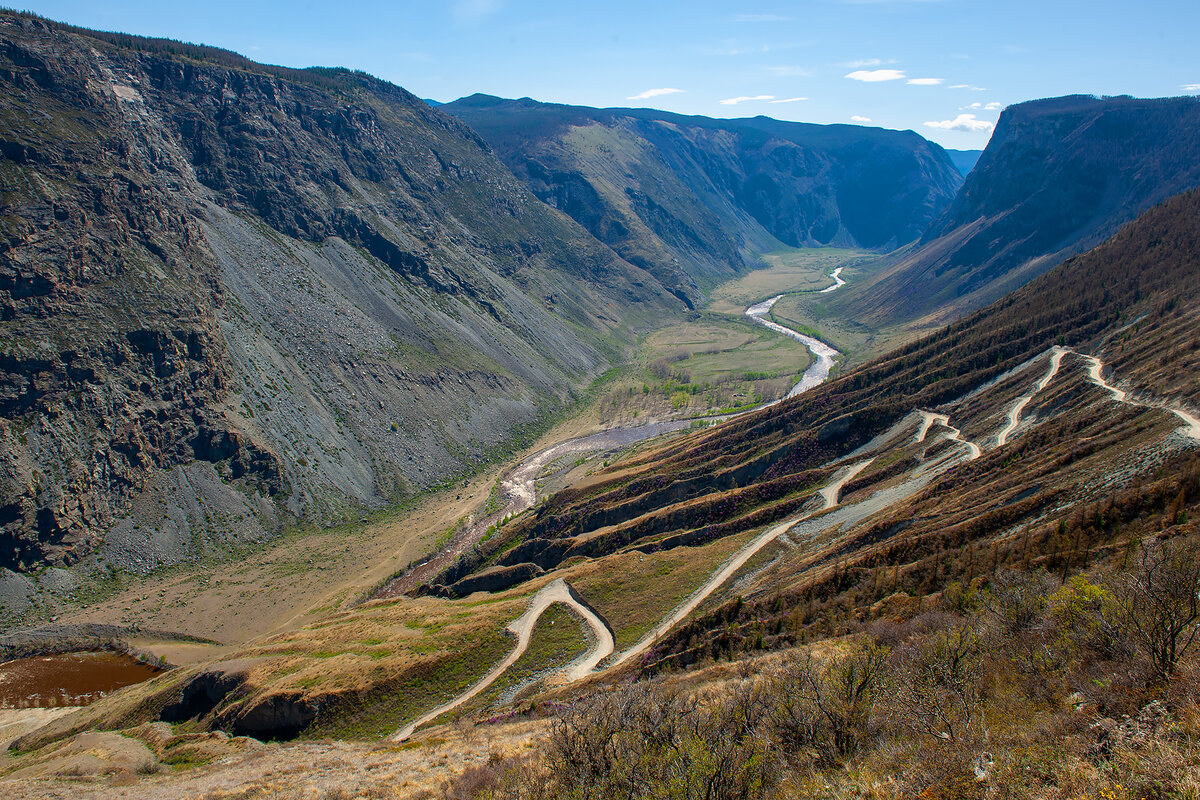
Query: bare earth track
(558, 591)
(1014, 413)
(520, 493)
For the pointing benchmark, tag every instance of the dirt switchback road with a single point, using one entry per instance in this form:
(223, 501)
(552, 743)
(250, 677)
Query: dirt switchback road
(557, 591)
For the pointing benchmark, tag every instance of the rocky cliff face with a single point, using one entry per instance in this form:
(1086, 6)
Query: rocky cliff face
(232, 293)
(1057, 177)
(690, 197)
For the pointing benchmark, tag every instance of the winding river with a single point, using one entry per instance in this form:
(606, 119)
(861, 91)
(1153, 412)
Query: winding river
(518, 486)
(823, 354)
(837, 281)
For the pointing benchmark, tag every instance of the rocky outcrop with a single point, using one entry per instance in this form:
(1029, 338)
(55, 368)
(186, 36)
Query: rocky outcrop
(111, 363)
(217, 697)
(253, 294)
(277, 717)
(203, 693)
(495, 579)
(1151, 722)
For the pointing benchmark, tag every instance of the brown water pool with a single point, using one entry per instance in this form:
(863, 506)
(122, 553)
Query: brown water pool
(69, 679)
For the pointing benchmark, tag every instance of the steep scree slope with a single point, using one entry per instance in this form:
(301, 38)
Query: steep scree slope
(241, 291)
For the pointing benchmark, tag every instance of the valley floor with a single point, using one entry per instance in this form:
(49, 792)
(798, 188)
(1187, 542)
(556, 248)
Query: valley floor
(394, 659)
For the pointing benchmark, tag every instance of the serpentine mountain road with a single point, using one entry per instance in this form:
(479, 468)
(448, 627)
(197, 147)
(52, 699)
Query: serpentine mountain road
(518, 487)
(829, 494)
(1096, 367)
(603, 643)
(1014, 413)
(520, 492)
(557, 591)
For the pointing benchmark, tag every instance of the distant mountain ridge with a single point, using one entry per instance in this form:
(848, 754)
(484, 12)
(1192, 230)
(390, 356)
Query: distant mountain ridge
(688, 197)
(1057, 177)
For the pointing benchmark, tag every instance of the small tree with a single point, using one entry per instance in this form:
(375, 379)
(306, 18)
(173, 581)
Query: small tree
(937, 685)
(1088, 621)
(1158, 603)
(827, 705)
(1017, 600)
(1017, 603)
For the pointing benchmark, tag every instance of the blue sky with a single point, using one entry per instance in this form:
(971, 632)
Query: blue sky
(943, 68)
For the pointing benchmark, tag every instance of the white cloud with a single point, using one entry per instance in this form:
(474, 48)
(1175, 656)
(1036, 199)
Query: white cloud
(924, 81)
(733, 101)
(790, 100)
(741, 50)
(788, 72)
(760, 18)
(867, 62)
(963, 122)
(876, 75)
(993, 106)
(968, 86)
(857, 118)
(646, 95)
(474, 9)
(1191, 88)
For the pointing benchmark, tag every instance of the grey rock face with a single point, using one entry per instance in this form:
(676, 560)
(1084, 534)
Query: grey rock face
(253, 294)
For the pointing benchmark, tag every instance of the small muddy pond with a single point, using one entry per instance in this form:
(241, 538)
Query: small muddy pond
(69, 679)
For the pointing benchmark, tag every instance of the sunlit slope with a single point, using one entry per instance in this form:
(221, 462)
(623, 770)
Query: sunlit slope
(253, 294)
(1130, 302)
(1057, 177)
